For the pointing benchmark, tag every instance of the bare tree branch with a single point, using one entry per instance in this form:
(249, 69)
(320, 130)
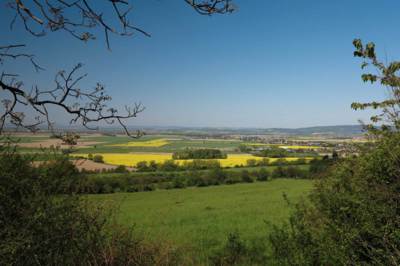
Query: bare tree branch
(210, 7)
(85, 107)
(80, 19)
(77, 17)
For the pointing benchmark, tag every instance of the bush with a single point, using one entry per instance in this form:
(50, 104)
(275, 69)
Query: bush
(295, 172)
(288, 172)
(245, 176)
(199, 154)
(142, 166)
(301, 161)
(353, 214)
(152, 166)
(98, 158)
(121, 169)
(218, 175)
(201, 164)
(168, 165)
(202, 182)
(318, 166)
(273, 152)
(262, 175)
(251, 162)
(263, 162)
(233, 253)
(40, 226)
(59, 176)
(178, 183)
(148, 187)
(278, 172)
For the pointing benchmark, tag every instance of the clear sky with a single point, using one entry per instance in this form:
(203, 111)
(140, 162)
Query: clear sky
(273, 63)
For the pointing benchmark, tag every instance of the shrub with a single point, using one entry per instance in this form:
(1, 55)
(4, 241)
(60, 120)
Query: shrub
(233, 253)
(121, 169)
(320, 166)
(280, 162)
(98, 158)
(178, 183)
(263, 162)
(142, 166)
(59, 175)
(199, 154)
(39, 226)
(218, 175)
(278, 172)
(168, 165)
(273, 152)
(262, 175)
(251, 162)
(152, 166)
(148, 187)
(201, 164)
(301, 161)
(353, 214)
(294, 172)
(245, 176)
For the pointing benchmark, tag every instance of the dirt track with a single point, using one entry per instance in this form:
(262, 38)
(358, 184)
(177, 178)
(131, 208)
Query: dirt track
(90, 165)
(56, 143)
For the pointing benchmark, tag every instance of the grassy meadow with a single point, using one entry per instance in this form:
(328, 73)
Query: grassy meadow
(202, 218)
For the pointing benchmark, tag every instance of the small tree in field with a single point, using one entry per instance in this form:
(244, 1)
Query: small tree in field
(98, 158)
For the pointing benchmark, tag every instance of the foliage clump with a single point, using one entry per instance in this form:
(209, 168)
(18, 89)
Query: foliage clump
(187, 154)
(43, 221)
(98, 158)
(353, 215)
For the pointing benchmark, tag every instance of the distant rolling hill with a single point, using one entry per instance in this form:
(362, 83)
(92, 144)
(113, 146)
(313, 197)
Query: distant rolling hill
(340, 130)
(347, 130)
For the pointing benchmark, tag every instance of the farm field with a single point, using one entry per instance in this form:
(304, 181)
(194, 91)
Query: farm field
(203, 217)
(145, 143)
(96, 143)
(293, 147)
(122, 150)
(131, 159)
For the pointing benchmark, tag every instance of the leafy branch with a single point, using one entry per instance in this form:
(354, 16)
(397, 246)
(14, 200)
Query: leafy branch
(387, 75)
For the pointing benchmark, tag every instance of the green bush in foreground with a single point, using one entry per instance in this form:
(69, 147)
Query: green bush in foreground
(354, 215)
(43, 221)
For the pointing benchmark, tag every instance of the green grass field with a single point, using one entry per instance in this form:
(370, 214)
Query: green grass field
(203, 217)
(174, 144)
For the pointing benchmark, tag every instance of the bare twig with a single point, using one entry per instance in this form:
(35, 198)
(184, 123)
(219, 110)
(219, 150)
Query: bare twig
(80, 19)
(85, 107)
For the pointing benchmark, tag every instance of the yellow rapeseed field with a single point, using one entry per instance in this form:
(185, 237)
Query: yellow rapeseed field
(241, 159)
(299, 147)
(146, 143)
(131, 159)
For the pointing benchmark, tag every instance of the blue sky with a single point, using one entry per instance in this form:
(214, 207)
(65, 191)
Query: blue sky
(273, 63)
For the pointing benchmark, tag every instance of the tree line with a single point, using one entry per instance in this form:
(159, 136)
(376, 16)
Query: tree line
(187, 154)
